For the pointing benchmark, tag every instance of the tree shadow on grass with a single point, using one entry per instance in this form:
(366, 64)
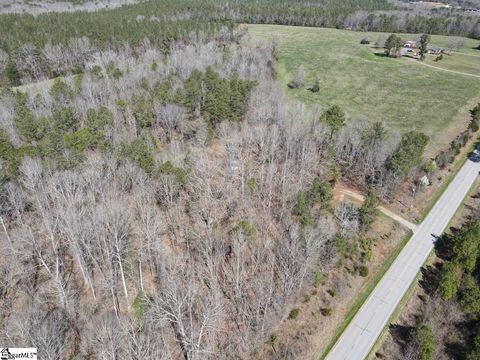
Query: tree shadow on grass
(442, 246)
(401, 334)
(380, 54)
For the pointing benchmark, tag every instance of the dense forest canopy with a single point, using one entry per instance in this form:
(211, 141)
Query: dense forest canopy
(160, 198)
(143, 199)
(162, 20)
(32, 47)
(36, 7)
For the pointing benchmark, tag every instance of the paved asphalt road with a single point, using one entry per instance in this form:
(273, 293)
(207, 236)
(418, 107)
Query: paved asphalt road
(361, 334)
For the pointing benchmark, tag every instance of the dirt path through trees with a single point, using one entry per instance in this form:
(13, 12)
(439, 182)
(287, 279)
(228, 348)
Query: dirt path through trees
(390, 214)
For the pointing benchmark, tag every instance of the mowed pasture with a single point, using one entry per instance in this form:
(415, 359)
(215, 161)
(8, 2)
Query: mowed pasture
(402, 93)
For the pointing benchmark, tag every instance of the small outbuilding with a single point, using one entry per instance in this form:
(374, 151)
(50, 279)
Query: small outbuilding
(410, 44)
(435, 50)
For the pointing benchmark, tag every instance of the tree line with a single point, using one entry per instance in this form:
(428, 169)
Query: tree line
(33, 47)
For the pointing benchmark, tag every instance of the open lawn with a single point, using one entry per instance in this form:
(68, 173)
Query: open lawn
(399, 92)
(458, 61)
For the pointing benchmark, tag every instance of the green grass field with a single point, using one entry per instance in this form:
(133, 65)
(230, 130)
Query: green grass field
(459, 61)
(399, 92)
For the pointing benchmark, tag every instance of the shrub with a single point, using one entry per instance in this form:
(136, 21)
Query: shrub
(162, 94)
(144, 84)
(143, 113)
(369, 210)
(98, 119)
(193, 90)
(335, 118)
(247, 229)
(363, 270)
(113, 71)
(167, 168)
(332, 292)
(302, 209)
(364, 41)
(392, 45)
(424, 337)
(449, 281)
(320, 193)
(7, 150)
(96, 71)
(78, 82)
(408, 154)
(272, 339)
(11, 158)
(227, 99)
(52, 145)
(294, 84)
(470, 296)
(294, 314)
(65, 119)
(341, 244)
(465, 246)
(252, 185)
(317, 278)
(139, 150)
(430, 167)
(139, 304)
(25, 124)
(334, 174)
(13, 74)
(474, 353)
(315, 87)
(475, 114)
(326, 311)
(474, 125)
(218, 99)
(60, 91)
(42, 126)
(297, 81)
(366, 247)
(84, 139)
(121, 104)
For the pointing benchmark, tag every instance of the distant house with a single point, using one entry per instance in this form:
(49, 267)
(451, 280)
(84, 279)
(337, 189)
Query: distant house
(410, 44)
(407, 51)
(435, 50)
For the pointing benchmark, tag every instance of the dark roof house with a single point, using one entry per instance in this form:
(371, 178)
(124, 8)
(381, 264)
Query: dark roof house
(435, 50)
